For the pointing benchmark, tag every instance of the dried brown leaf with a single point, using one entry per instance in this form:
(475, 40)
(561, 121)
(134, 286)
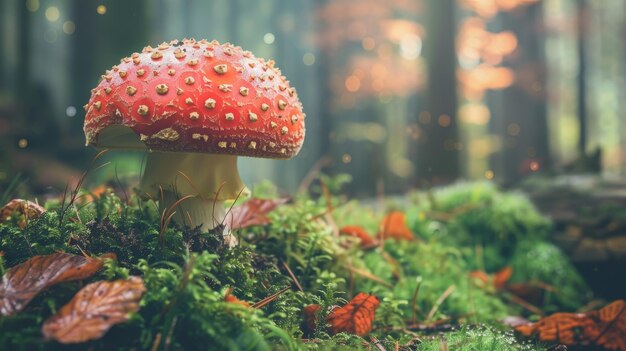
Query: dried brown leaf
(253, 212)
(605, 327)
(23, 209)
(23, 282)
(309, 314)
(94, 310)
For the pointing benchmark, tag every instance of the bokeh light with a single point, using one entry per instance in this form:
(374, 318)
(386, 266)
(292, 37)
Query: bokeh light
(308, 59)
(368, 43)
(353, 83)
(70, 111)
(101, 9)
(444, 120)
(69, 27)
(32, 5)
(410, 46)
(269, 38)
(53, 14)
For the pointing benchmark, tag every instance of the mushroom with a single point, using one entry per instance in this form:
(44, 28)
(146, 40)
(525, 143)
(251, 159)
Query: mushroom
(196, 106)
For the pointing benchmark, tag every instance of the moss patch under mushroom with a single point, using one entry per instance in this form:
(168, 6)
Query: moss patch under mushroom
(187, 273)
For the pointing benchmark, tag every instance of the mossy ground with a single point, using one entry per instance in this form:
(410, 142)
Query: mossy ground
(427, 297)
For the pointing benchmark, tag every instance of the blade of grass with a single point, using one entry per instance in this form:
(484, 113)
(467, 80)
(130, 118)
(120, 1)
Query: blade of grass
(439, 301)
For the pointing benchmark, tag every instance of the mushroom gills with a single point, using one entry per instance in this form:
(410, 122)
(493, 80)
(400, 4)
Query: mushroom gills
(119, 137)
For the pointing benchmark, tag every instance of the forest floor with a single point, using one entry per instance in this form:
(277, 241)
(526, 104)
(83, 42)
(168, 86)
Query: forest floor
(464, 267)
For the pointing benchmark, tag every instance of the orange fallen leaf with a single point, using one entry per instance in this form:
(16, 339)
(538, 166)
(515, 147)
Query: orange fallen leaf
(229, 297)
(394, 226)
(23, 282)
(93, 194)
(24, 210)
(481, 276)
(532, 293)
(605, 328)
(309, 323)
(501, 278)
(498, 280)
(358, 232)
(356, 317)
(94, 310)
(253, 212)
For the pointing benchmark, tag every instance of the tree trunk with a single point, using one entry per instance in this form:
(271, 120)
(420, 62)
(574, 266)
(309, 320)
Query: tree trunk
(23, 79)
(325, 95)
(583, 18)
(519, 113)
(438, 151)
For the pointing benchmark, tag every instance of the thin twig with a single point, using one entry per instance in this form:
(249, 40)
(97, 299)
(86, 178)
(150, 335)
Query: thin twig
(270, 298)
(215, 200)
(525, 304)
(414, 301)
(64, 206)
(293, 276)
(439, 301)
(168, 339)
(230, 209)
(167, 215)
(368, 275)
(313, 173)
(119, 183)
(377, 343)
(156, 343)
(193, 185)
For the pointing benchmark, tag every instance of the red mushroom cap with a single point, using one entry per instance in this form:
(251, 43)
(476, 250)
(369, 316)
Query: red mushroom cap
(199, 96)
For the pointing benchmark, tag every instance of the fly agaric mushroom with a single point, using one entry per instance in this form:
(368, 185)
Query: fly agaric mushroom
(196, 106)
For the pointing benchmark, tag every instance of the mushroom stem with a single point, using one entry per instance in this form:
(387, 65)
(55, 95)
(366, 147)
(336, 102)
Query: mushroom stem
(210, 178)
(196, 211)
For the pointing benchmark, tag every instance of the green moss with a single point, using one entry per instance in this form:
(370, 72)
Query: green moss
(478, 214)
(477, 339)
(545, 263)
(187, 272)
(435, 268)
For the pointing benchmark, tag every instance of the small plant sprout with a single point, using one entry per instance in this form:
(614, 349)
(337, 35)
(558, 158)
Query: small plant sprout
(196, 106)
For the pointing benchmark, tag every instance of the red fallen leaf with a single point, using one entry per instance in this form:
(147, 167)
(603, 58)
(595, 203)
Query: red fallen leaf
(229, 297)
(501, 278)
(358, 232)
(94, 310)
(480, 276)
(253, 212)
(394, 226)
(24, 281)
(93, 194)
(310, 319)
(25, 210)
(605, 328)
(498, 280)
(528, 292)
(357, 317)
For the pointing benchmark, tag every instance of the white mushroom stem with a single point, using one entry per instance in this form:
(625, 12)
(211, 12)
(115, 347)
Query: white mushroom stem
(210, 179)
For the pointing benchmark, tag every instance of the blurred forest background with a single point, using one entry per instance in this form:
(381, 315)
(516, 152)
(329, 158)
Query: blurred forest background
(398, 93)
